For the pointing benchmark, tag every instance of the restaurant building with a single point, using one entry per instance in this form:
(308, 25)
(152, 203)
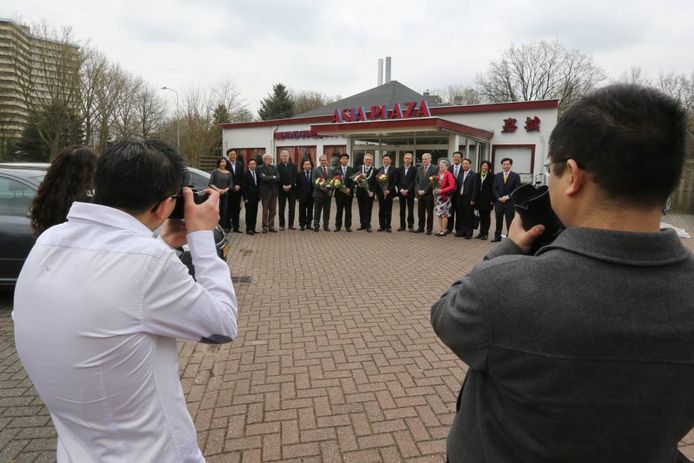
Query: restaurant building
(394, 119)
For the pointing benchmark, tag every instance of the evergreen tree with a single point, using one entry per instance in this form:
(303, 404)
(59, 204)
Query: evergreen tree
(48, 131)
(277, 105)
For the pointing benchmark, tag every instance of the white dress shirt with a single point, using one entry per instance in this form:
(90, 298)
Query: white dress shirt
(98, 307)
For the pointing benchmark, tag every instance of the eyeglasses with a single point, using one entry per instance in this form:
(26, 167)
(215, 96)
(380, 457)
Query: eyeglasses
(177, 196)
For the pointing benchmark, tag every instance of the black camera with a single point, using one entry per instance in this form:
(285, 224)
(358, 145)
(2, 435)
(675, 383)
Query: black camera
(534, 207)
(199, 197)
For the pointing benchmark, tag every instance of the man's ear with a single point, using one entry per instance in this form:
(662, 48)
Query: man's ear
(162, 211)
(576, 179)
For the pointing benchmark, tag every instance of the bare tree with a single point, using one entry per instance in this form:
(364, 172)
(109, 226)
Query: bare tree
(461, 94)
(150, 111)
(635, 75)
(225, 93)
(306, 100)
(538, 71)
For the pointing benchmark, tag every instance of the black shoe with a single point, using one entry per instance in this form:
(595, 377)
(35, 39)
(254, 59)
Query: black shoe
(250, 232)
(419, 230)
(337, 229)
(381, 229)
(308, 227)
(302, 228)
(368, 230)
(401, 229)
(411, 229)
(236, 230)
(428, 232)
(483, 237)
(389, 230)
(361, 228)
(326, 228)
(459, 235)
(348, 230)
(272, 230)
(316, 229)
(496, 240)
(292, 227)
(467, 237)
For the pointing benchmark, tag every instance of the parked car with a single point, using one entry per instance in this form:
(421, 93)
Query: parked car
(18, 186)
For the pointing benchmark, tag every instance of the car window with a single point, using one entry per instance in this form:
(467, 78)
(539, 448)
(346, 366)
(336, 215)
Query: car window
(15, 197)
(199, 181)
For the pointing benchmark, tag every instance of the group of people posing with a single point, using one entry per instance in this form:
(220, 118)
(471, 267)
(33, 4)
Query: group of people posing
(452, 192)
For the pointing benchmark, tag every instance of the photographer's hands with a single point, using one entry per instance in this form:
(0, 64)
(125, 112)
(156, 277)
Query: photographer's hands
(204, 216)
(522, 238)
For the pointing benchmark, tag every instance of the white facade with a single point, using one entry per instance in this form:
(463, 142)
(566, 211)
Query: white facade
(477, 133)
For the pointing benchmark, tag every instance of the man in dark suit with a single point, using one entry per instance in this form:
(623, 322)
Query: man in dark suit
(467, 197)
(304, 193)
(234, 203)
(456, 169)
(406, 191)
(321, 197)
(485, 199)
(287, 192)
(504, 183)
(365, 195)
(251, 196)
(269, 188)
(343, 196)
(425, 195)
(386, 192)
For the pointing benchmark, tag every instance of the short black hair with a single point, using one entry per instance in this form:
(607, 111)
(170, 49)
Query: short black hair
(468, 160)
(489, 164)
(219, 161)
(630, 137)
(137, 175)
(344, 155)
(507, 159)
(386, 155)
(229, 151)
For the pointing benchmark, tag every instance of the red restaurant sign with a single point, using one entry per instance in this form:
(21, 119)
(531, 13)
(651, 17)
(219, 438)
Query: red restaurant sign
(296, 134)
(382, 112)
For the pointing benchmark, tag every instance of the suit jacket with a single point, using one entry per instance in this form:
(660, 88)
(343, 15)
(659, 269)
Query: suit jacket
(458, 178)
(370, 175)
(251, 190)
(346, 180)
(236, 173)
(269, 180)
(422, 180)
(318, 173)
(288, 174)
(502, 189)
(392, 181)
(304, 188)
(407, 182)
(485, 197)
(470, 188)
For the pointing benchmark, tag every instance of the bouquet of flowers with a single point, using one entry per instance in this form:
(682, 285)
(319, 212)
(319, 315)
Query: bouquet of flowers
(433, 181)
(325, 185)
(336, 182)
(383, 182)
(360, 179)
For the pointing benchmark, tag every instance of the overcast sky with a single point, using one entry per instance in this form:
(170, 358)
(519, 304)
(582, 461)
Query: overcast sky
(333, 46)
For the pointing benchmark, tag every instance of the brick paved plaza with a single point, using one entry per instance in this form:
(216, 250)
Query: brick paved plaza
(335, 359)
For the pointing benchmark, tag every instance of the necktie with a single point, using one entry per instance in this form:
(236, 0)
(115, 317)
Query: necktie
(505, 177)
(306, 175)
(254, 181)
(325, 171)
(344, 171)
(462, 188)
(457, 169)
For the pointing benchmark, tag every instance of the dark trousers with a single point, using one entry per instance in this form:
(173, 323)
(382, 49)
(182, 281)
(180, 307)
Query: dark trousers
(284, 197)
(485, 220)
(464, 216)
(453, 216)
(234, 209)
(503, 210)
(251, 215)
(306, 212)
(321, 205)
(407, 204)
(269, 211)
(385, 211)
(343, 202)
(425, 205)
(366, 205)
(223, 212)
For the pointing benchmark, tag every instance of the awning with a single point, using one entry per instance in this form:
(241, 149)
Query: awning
(396, 126)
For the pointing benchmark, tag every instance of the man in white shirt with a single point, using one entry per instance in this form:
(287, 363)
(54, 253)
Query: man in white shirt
(100, 303)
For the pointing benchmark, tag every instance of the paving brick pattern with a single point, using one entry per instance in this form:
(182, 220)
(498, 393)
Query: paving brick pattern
(335, 359)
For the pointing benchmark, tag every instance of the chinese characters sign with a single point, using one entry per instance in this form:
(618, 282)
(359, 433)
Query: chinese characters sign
(532, 124)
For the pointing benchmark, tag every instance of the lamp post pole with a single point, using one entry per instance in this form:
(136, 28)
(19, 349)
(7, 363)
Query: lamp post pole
(178, 128)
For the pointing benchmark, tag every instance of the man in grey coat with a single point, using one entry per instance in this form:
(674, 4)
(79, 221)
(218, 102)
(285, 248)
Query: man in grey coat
(583, 352)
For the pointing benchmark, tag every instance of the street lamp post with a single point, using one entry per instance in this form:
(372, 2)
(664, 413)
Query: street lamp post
(178, 129)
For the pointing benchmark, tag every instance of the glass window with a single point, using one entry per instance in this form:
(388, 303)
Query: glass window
(15, 197)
